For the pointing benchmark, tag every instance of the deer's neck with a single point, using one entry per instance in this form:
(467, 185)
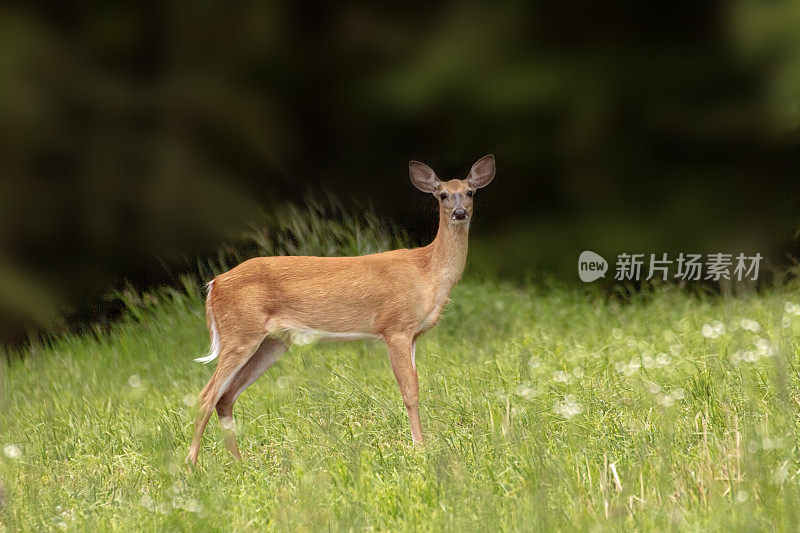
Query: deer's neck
(448, 252)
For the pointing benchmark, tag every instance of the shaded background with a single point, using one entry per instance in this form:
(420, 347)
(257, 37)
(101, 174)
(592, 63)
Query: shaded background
(137, 138)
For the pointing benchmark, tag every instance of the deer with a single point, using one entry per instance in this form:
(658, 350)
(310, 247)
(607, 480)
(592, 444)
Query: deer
(258, 309)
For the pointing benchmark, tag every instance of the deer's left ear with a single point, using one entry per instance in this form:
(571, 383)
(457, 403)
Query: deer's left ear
(482, 172)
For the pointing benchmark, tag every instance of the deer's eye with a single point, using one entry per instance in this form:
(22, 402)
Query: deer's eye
(470, 193)
(443, 196)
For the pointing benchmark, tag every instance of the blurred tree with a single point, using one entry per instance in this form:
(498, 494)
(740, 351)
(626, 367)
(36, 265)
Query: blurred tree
(139, 137)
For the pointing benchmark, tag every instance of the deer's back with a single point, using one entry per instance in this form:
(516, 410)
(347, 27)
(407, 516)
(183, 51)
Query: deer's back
(366, 295)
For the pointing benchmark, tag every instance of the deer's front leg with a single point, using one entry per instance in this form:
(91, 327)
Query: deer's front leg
(401, 355)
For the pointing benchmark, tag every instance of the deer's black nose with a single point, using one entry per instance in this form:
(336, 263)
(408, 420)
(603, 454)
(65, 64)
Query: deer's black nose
(460, 214)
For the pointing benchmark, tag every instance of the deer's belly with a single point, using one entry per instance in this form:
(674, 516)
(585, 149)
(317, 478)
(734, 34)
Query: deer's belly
(297, 332)
(301, 335)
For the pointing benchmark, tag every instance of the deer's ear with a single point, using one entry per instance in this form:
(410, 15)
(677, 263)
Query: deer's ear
(423, 177)
(482, 172)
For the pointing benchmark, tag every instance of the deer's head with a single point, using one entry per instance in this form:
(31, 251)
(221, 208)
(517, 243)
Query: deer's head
(455, 196)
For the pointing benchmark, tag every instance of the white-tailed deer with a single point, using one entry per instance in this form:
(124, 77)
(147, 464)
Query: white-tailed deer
(256, 310)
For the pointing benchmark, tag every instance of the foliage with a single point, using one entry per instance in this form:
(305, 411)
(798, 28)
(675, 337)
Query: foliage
(324, 227)
(320, 226)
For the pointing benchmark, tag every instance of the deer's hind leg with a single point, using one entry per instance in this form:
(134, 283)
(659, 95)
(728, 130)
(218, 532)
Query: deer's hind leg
(270, 350)
(233, 356)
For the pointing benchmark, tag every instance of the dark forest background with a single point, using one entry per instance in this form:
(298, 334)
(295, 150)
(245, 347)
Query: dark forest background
(138, 138)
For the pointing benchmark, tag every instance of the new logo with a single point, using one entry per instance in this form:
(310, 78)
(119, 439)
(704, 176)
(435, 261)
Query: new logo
(591, 266)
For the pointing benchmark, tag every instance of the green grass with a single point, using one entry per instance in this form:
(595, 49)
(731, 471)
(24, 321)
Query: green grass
(532, 400)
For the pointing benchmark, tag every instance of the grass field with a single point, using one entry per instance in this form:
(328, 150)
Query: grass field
(543, 409)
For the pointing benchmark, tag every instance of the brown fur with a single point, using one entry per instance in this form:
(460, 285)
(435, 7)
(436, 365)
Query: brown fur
(394, 295)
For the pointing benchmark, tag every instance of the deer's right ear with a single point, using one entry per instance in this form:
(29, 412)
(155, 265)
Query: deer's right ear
(423, 177)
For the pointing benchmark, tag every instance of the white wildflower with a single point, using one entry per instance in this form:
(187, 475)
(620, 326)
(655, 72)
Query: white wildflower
(526, 391)
(713, 330)
(12, 451)
(559, 376)
(665, 400)
(792, 308)
(748, 356)
(283, 382)
(147, 502)
(193, 506)
(781, 473)
(663, 360)
(629, 368)
(750, 325)
(134, 381)
(176, 489)
(189, 400)
(577, 372)
(668, 399)
(786, 321)
(764, 348)
(534, 362)
(771, 443)
(568, 408)
(647, 361)
(632, 367)
(616, 333)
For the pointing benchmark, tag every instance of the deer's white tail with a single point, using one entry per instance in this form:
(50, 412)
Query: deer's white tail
(213, 353)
